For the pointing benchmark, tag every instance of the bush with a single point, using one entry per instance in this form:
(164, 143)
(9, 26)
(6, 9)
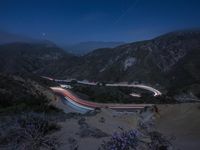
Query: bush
(122, 141)
(28, 132)
(134, 140)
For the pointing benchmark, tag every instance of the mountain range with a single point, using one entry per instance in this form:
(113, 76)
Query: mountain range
(77, 49)
(171, 60)
(86, 47)
(7, 37)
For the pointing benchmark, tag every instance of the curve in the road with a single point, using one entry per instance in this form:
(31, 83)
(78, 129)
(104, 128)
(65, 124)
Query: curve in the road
(156, 92)
(87, 105)
(70, 96)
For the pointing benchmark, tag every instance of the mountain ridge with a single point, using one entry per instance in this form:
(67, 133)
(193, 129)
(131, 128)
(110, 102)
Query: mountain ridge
(83, 48)
(168, 60)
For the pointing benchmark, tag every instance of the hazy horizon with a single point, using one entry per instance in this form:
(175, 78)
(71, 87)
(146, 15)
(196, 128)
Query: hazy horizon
(79, 21)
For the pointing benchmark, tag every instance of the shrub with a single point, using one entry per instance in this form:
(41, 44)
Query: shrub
(122, 141)
(28, 132)
(134, 140)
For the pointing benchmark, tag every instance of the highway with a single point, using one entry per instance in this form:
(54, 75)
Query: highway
(70, 96)
(156, 92)
(73, 99)
(153, 90)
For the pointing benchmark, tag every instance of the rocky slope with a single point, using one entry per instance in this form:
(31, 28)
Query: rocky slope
(171, 60)
(146, 61)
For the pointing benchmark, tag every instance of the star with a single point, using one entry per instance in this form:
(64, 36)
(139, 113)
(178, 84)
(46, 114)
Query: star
(43, 34)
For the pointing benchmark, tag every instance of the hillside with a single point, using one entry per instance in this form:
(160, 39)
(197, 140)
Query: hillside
(145, 59)
(170, 60)
(24, 93)
(29, 57)
(27, 117)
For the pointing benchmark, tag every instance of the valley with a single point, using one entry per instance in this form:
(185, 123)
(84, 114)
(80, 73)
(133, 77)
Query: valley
(99, 75)
(145, 89)
(170, 61)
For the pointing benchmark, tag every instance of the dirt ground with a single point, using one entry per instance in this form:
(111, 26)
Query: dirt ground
(180, 121)
(183, 122)
(107, 121)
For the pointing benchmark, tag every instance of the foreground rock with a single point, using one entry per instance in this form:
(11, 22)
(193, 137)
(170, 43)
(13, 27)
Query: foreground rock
(91, 131)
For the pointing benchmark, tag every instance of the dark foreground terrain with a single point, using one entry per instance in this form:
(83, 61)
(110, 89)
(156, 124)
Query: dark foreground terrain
(29, 120)
(26, 116)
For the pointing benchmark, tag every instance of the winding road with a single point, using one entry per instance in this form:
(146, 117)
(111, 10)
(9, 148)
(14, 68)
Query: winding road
(145, 87)
(73, 99)
(156, 92)
(70, 96)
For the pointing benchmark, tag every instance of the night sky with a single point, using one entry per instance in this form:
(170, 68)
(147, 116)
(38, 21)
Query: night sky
(70, 21)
